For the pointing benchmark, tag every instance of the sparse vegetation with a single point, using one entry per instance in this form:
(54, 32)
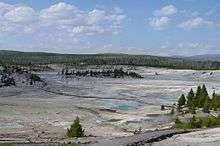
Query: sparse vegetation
(201, 122)
(75, 129)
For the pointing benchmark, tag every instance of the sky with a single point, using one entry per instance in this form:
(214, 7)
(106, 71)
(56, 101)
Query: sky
(151, 27)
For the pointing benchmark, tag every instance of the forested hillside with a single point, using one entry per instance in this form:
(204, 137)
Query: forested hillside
(210, 57)
(31, 58)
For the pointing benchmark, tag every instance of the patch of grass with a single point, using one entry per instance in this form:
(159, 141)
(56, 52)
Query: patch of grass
(5, 144)
(193, 123)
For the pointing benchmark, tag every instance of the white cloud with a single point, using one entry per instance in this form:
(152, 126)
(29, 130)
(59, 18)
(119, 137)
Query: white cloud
(95, 16)
(193, 45)
(5, 8)
(60, 16)
(166, 11)
(87, 30)
(21, 15)
(58, 12)
(186, 48)
(78, 21)
(161, 18)
(195, 23)
(159, 23)
(189, 45)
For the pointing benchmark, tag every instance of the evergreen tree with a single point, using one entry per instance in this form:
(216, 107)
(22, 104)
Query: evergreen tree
(182, 100)
(197, 96)
(192, 108)
(75, 129)
(203, 97)
(162, 107)
(215, 102)
(206, 106)
(190, 97)
(179, 109)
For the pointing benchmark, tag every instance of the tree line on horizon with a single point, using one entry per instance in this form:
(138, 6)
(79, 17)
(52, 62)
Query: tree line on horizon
(106, 59)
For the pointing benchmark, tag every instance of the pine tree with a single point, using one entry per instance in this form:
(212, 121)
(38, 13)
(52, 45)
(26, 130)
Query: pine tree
(192, 108)
(190, 97)
(214, 102)
(197, 96)
(162, 107)
(203, 97)
(75, 129)
(206, 106)
(182, 100)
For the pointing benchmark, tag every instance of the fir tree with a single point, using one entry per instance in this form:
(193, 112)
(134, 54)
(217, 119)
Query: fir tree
(190, 97)
(75, 129)
(206, 106)
(203, 97)
(162, 107)
(182, 100)
(197, 96)
(192, 108)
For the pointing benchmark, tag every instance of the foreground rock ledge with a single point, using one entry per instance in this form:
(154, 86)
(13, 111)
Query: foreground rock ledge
(138, 139)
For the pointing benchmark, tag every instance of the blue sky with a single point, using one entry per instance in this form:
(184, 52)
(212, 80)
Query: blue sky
(156, 27)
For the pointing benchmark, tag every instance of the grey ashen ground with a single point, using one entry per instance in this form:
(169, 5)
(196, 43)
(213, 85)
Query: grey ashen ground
(107, 107)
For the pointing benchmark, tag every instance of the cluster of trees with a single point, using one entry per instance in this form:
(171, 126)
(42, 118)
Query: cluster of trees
(28, 59)
(116, 73)
(200, 99)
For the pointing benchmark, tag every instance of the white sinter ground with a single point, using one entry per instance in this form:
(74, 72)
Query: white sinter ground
(107, 107)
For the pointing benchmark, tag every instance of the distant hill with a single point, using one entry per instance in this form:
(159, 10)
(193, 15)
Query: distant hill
(38, 58)
(210, 57)
(19, 53)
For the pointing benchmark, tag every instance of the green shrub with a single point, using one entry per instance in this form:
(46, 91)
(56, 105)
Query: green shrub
(75, 129)
(195, 123)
